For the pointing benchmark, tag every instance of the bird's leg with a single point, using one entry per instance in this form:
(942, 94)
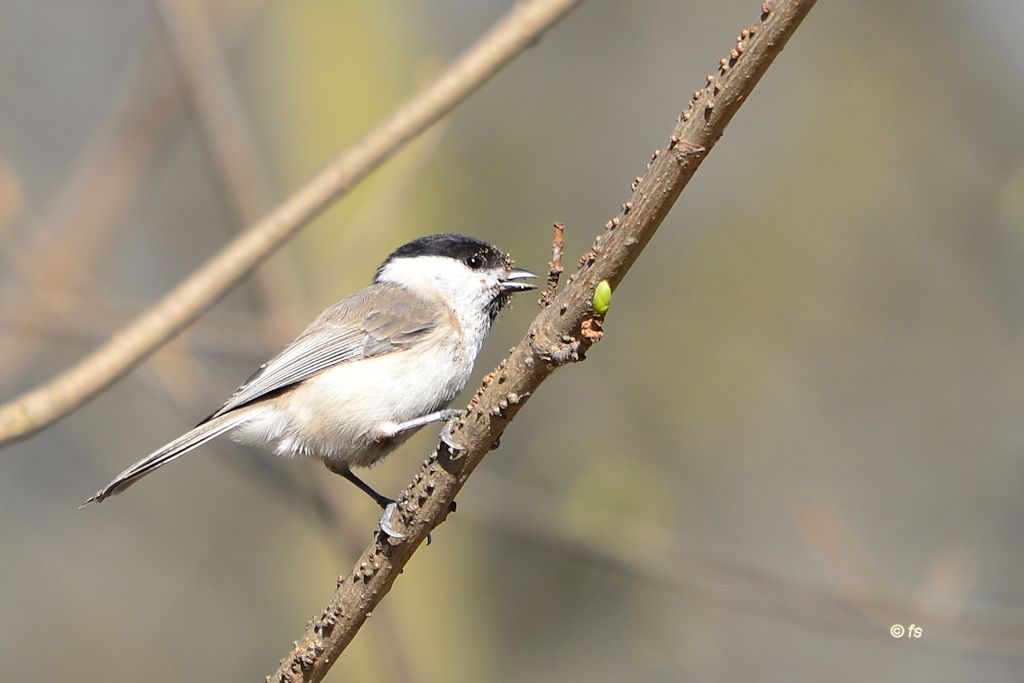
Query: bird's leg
(378, 498)
(389, 505)
(390, 429)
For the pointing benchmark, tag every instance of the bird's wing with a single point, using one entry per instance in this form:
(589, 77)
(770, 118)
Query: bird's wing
(351, 330)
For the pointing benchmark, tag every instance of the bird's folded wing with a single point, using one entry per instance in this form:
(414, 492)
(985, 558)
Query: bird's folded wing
(356, 328)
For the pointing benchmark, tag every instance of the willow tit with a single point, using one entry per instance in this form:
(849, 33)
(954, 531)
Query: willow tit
(369, 371)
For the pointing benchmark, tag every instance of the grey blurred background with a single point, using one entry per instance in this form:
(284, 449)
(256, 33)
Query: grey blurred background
(803, 425)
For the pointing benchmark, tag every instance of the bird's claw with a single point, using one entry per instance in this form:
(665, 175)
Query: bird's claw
(446, 433)
(385, 522)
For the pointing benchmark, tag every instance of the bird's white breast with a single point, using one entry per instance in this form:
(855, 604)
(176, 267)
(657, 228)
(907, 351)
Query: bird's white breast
(332, 416)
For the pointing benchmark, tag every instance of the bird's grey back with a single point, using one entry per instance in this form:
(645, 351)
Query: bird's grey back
(353, 329)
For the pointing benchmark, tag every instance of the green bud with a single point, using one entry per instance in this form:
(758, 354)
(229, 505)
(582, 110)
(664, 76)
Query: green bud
(602, 297)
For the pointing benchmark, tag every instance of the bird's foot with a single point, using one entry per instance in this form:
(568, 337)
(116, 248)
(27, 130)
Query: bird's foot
(446, 432)
(385, 522)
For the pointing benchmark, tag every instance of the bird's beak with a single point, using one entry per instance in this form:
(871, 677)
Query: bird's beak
(511, 281)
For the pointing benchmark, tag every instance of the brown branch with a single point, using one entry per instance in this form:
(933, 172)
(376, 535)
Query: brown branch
(554, 338)
(555, 266)
(58, 397)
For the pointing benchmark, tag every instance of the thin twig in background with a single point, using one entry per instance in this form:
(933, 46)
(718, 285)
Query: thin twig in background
(220, 333)
(685, 567)
(44, 405)
(88, 211)
(176, 371)
(222, 119)
(854, 579)
(90, 207)
(555, 338)
(385, 204)
(239, 164)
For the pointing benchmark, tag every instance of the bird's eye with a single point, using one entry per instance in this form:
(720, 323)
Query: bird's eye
(475, 262)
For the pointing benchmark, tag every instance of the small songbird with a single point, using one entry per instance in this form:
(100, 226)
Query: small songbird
(372, 369)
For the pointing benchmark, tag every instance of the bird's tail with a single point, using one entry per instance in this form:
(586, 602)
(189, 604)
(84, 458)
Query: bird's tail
(183, 444)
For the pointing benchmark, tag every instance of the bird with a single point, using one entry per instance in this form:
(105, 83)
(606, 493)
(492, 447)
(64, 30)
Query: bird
(369, 371)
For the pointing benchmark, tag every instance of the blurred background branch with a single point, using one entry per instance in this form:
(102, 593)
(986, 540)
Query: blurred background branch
(87, 212)
(229, 137)
(37, 409)
(559, 334)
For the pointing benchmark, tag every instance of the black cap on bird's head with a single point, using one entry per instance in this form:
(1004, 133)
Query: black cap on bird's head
(480, 264)
(473, 252)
